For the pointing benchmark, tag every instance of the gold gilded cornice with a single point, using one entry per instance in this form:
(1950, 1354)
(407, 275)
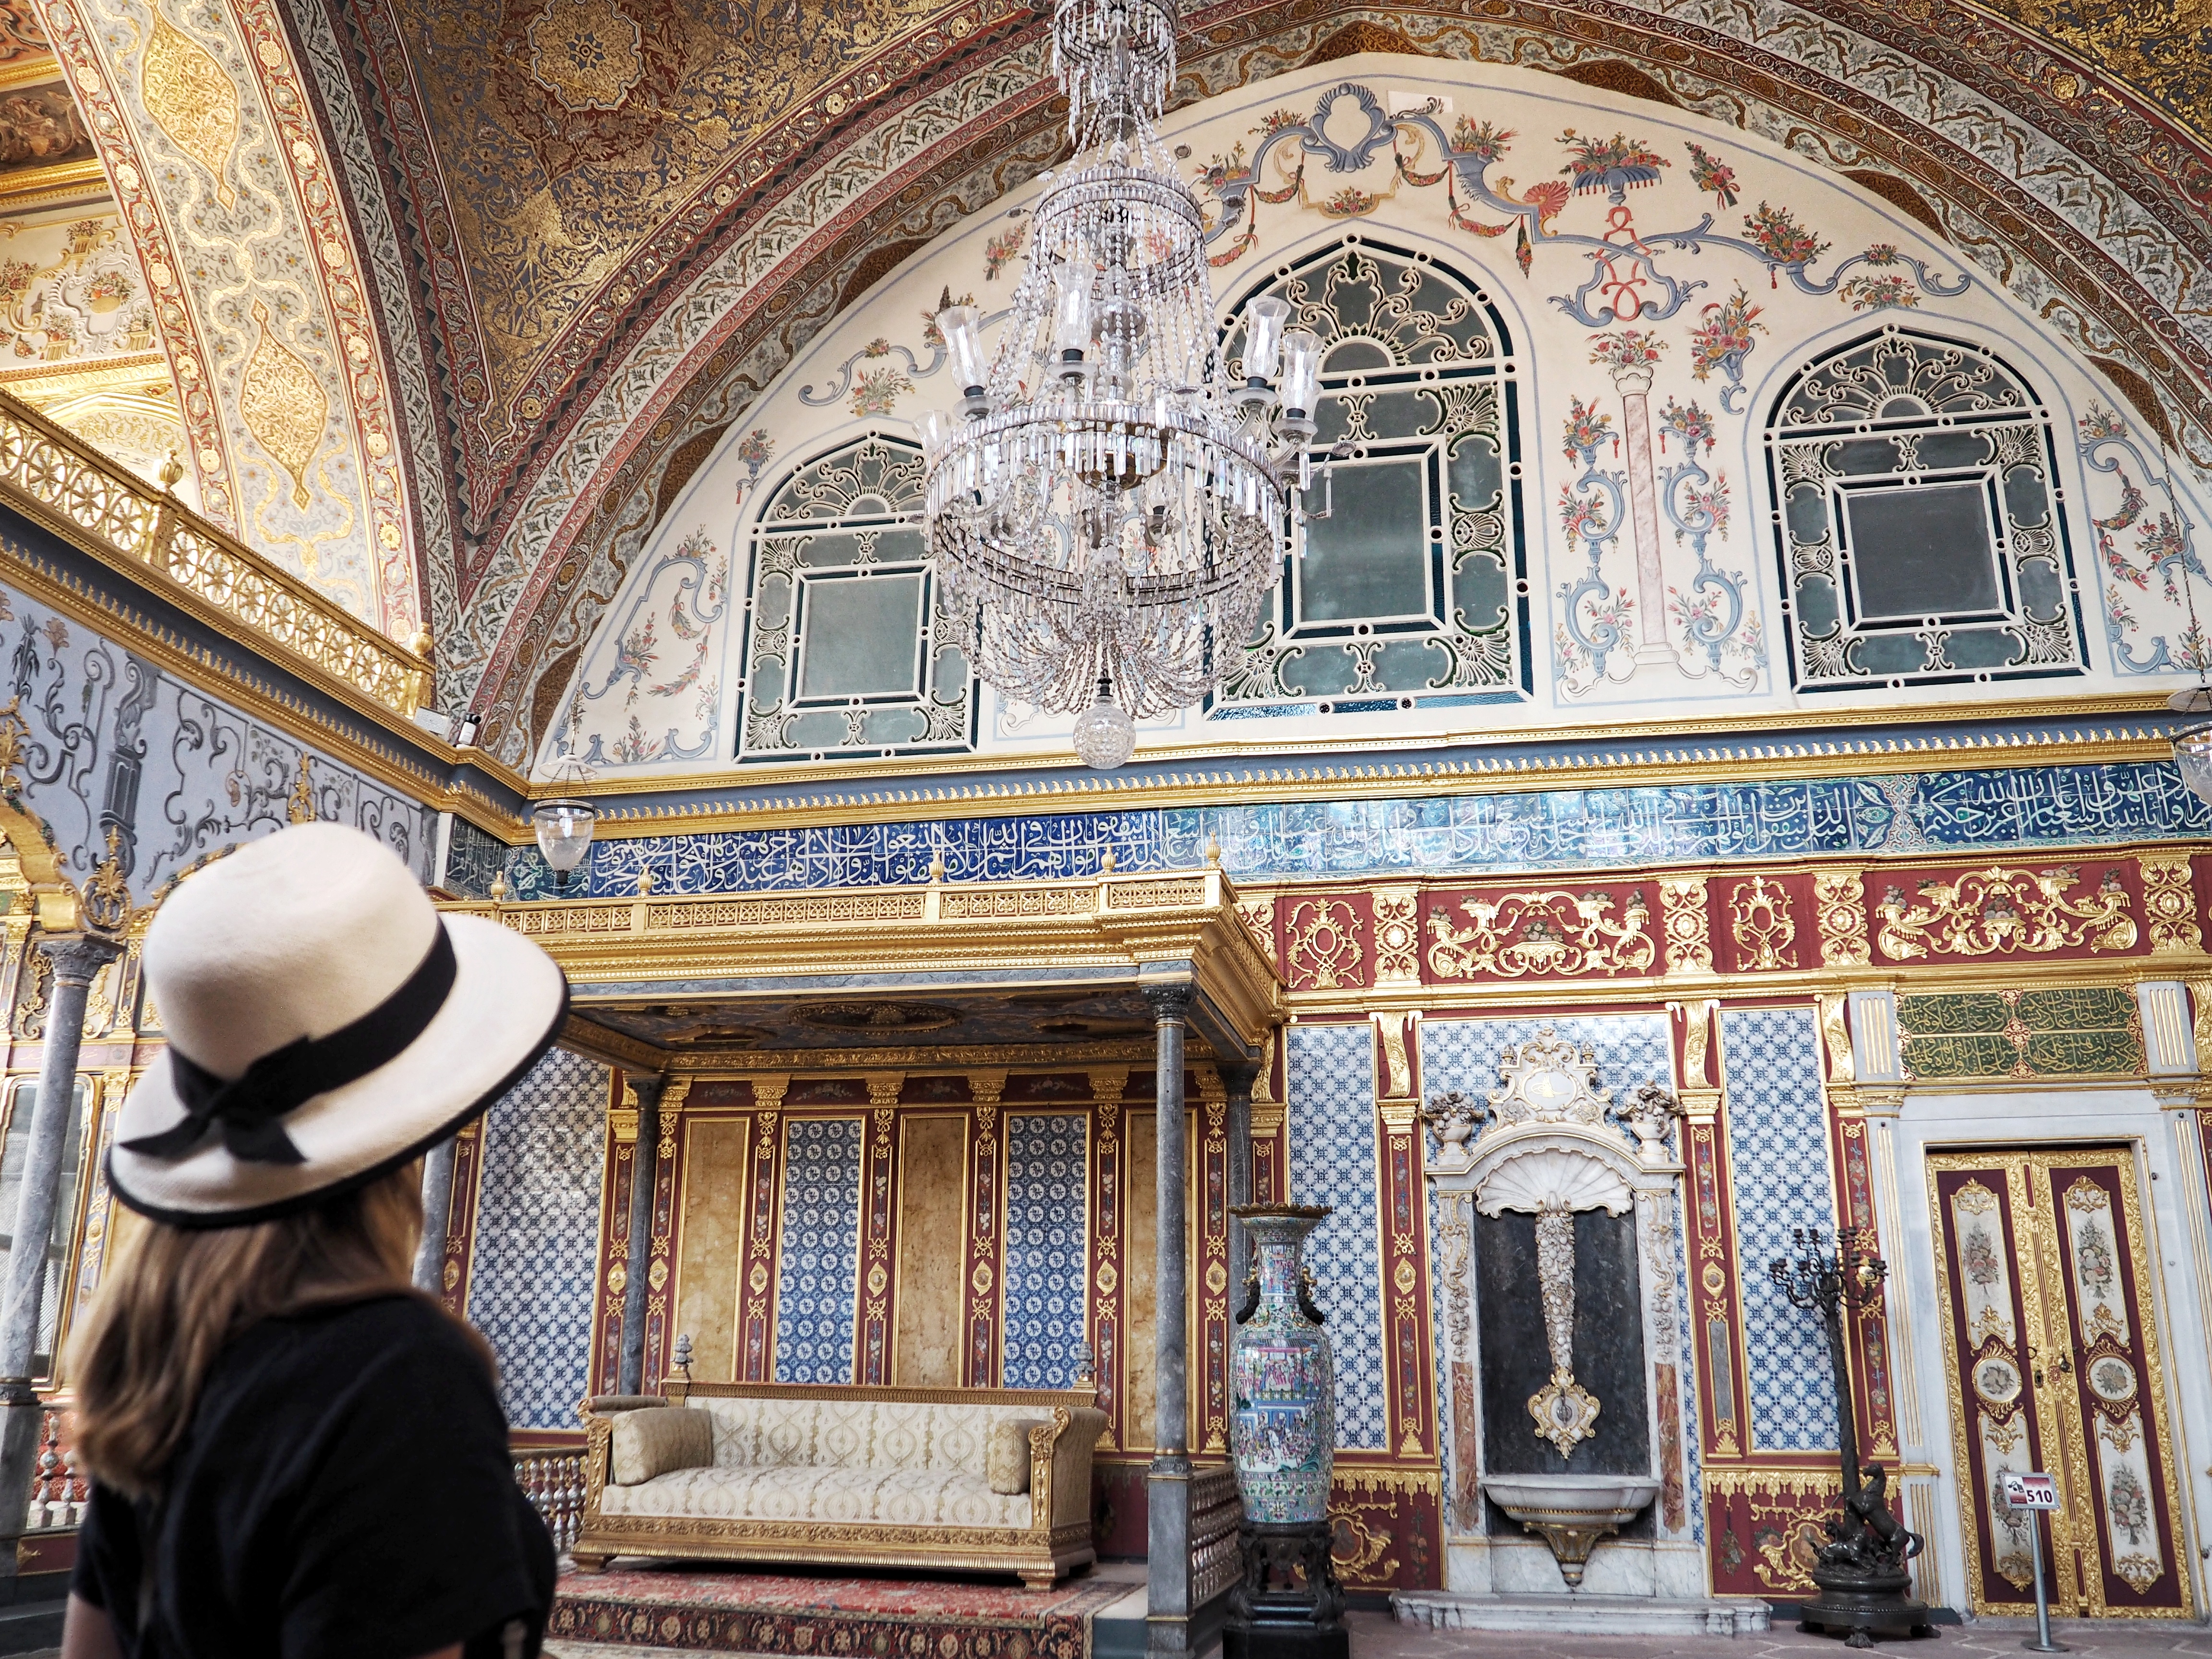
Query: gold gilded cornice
(990, 931)
(1633, 754)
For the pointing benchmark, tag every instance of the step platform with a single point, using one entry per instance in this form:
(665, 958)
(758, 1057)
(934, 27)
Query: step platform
(687, 1607)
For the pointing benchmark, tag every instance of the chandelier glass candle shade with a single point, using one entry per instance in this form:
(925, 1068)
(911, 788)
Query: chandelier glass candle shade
(1111, 510)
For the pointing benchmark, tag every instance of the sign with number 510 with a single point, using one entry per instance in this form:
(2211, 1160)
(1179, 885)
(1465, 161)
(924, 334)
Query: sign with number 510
(2030, 1491)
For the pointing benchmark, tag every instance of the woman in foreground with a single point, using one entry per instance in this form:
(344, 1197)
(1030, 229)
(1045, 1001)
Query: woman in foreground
(294, 1452)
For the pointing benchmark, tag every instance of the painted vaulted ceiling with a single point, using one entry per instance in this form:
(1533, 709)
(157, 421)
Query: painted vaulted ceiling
(457, 296)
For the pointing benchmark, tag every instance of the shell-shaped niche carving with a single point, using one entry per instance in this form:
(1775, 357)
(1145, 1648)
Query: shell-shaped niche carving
(1553, 1179)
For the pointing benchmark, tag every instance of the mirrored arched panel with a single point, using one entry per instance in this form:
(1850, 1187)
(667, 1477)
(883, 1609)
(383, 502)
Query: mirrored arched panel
(1412, 591)
(1921, 536)
(848, 651)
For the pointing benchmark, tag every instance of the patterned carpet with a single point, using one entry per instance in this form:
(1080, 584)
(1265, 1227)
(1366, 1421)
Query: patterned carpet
(702, 1610)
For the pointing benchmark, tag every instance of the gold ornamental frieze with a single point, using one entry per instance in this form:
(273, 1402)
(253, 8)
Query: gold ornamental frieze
(1548, 934)
(2003, 909)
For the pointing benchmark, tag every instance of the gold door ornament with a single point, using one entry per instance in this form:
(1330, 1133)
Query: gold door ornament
(2052, 1362)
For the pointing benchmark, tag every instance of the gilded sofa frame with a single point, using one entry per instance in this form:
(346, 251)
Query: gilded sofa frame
(1057, 1539)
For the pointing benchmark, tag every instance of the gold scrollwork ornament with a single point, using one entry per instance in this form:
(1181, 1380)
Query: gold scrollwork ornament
(2002, 910)
(1543, 933)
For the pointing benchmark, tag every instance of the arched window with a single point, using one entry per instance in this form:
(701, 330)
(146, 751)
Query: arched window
(847, 652)
(1412, 593)
(1918, 518)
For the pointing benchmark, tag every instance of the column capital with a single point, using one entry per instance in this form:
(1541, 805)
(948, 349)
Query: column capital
(78, 957)
(1237, 1077)
(1170, 1001)
(644, 1087)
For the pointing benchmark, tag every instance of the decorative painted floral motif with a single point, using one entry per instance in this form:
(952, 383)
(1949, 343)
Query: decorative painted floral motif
(1276, 119)
(1348, 203)
(879, 347)
(1705, 503)
(877, 391)
(2093, 1262)
(1709, 173)
(1611, 164)
(1979, 1254)
(754, 450)
(1721, 340)
(1688, 422)
(1781, 238)
(2128, 1503)
(1583, 518)
(1628, 349)
(1588, 426)
(686, 591)
(1879, 292)
(2102, 422)
(1881, 253)
(1479, 140)
(997, 251)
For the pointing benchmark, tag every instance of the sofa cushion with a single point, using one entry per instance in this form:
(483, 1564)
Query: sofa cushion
(657, 1439)
(893, 1434)
(912, 1498)
(1006, 1461)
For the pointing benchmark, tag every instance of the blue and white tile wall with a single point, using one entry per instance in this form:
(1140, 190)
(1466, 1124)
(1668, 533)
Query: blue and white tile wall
(116, 742)
(1778, 1141)
(817, 1279)
(1463, 1053)
(1332, 1127)
(537, 1236)
(1047, 1245)
(1952, 811)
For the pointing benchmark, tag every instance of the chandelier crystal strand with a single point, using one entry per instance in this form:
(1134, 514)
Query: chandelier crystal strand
(1111, 511)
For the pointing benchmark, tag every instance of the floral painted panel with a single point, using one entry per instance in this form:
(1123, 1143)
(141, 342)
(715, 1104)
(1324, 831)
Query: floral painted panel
(652, 693)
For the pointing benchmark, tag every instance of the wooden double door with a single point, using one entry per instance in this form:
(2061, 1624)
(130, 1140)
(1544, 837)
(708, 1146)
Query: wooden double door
(2054, 1362)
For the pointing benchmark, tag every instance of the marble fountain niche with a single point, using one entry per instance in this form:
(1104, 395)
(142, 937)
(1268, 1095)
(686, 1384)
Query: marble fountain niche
(1558, 1213)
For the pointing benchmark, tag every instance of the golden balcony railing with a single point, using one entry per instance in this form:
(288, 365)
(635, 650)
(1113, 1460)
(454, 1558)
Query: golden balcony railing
(53, 478)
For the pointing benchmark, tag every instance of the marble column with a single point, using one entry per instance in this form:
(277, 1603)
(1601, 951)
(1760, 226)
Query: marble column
(1634, 385)
(1237, 1080)
(437, 1217)
(1167, 1486)
(76, 958)
(644, 1175)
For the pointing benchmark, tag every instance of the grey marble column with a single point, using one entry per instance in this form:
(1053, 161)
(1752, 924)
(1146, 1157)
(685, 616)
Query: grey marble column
(1167, 1486)
(644, 1175)
(1237, 1079)
(437, 1216)
(76, 958)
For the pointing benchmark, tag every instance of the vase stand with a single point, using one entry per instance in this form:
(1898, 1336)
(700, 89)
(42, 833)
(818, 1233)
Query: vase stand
(1288, 1604)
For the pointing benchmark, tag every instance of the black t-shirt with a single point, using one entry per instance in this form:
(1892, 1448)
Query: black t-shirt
(345, 1492)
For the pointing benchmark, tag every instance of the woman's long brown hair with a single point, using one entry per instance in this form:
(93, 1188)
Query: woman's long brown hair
(171, 1299)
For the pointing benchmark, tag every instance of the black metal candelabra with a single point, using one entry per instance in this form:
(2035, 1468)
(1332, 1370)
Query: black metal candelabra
(1861, 1572)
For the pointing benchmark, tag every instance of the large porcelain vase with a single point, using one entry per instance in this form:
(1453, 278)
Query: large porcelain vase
(1282, 1380)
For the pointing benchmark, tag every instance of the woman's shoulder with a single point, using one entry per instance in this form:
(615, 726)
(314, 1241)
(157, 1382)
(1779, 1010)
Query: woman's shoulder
(372, 1336)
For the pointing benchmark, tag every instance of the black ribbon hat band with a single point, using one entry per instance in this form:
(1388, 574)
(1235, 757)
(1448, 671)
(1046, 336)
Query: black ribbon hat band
(252, 1108)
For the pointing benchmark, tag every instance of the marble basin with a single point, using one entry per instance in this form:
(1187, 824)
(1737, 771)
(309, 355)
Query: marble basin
(1572, 1513)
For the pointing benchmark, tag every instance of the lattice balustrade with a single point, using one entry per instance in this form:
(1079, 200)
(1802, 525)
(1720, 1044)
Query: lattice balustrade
(552, 1479)
(43, 469)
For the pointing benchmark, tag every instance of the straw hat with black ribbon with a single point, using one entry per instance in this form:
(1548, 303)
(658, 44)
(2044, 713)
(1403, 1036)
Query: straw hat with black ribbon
(325, 1024)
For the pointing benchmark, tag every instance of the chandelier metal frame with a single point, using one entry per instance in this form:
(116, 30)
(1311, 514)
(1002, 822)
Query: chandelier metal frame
(1111, 511)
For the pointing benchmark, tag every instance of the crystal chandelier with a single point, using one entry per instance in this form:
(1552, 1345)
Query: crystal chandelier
(1111, 510)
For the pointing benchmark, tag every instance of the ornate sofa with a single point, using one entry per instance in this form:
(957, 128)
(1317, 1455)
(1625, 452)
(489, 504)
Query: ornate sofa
(980, 1479)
